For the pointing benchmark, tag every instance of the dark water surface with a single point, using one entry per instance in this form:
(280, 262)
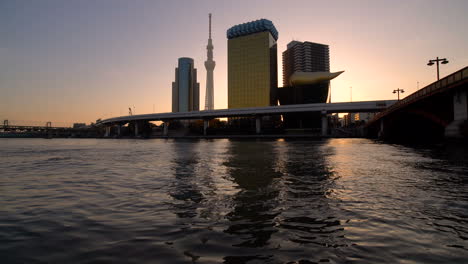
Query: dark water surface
(222, 201)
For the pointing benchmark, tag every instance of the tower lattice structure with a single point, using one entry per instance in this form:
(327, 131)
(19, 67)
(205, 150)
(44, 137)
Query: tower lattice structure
(209, 65)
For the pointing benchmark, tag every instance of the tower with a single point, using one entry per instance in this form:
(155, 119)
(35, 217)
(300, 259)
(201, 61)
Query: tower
(185, 89)
(252, 64)
(209, 65)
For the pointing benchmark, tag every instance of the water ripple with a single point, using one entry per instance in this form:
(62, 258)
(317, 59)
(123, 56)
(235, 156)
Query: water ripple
(230, 201)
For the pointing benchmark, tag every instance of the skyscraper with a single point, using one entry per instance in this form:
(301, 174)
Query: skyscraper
(209, 65)
(304, 57)
(185, 89)
(306, 73)
(252, 64)
(306, 80)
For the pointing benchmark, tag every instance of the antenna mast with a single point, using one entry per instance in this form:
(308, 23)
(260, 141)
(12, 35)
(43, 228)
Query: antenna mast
(209, 15)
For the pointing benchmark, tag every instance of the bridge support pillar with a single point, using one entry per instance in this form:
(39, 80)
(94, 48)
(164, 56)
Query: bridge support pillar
(136, 129)
(165, 128)
(206, 124)
(381, 129)
(108, 131)
(460, 113)
(324, 124)
(119, 127)
(258, 124)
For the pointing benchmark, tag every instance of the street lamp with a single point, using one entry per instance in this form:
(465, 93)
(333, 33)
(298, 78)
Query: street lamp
(443, 61)
(398, 91)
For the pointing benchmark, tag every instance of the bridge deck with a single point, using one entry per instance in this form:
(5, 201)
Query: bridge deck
(31, 127)
(453, 80)
(364, 106)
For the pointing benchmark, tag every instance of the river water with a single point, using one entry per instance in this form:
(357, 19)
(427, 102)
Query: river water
(231, 201)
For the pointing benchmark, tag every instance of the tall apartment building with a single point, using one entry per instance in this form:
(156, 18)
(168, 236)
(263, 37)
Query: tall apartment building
(252, 64)
(185, 89)
(304, 57)
(306, 80)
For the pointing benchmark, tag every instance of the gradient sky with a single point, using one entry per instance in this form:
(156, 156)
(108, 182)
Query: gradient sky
(77, 61)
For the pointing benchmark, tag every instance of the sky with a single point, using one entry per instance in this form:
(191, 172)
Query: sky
(77, 61)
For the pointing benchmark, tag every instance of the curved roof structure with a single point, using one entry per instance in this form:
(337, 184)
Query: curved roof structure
(302, 78)
(251, 28)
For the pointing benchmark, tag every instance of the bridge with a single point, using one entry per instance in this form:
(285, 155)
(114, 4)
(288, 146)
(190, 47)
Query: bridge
(47, 130)
(254, 112)
(436, 111)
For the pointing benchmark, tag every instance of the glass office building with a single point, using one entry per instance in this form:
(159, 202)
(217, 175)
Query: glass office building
(185, 89)
(252, 64)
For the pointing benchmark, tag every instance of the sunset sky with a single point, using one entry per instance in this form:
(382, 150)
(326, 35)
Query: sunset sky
(77, 61)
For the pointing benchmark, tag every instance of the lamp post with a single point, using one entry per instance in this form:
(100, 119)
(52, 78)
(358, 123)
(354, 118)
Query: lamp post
(443, 61)
(398, 91)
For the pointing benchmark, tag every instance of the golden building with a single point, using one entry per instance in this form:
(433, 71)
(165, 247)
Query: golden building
(252, 64)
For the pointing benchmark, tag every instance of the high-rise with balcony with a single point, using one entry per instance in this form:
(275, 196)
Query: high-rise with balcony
(185, 89)
(306, 73)
(304, 57)
(306, 80)
(252, 64)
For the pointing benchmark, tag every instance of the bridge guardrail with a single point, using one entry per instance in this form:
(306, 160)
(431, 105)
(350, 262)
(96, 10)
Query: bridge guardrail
(455, 77)
(339, 107)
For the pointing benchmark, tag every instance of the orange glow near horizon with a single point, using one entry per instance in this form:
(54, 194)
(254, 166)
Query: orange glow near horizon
(78, 63)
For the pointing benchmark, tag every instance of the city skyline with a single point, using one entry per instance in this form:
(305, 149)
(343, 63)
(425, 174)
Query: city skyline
(76, 62)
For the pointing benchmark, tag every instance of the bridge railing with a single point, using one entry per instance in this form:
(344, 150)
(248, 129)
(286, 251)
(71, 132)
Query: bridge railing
(339, 107)
(423, 92)
(30, 123)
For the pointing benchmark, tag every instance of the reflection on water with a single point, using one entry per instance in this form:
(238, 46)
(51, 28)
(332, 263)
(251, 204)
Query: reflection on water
(184, 189)
(228, 201)
(253, 214)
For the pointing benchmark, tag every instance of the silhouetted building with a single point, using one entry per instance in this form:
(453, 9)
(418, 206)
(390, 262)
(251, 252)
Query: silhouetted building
(252, 64)
(79, 125)
(304, 57)
(306, 73)
(364, 116)
(306, 80)
(349, 119)
(185, 89)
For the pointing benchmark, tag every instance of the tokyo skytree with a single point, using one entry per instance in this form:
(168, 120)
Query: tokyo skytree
(209, 65)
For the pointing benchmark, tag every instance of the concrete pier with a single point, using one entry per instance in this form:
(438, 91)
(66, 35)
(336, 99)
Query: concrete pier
(108, 131)
(165, 129)
(460, 114)
(324, 124)
(381, 129)
(136, 129)
(258, 124)
(206, 124)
